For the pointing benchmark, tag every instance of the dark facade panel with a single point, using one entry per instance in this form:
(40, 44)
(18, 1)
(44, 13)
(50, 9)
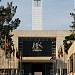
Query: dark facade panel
(37, 46)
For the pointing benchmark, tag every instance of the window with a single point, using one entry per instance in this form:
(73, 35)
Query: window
(51, 71)
(6, 72)
(71, 64)
(68, 67)
(64, 71)
(37, 3)
(22, 71)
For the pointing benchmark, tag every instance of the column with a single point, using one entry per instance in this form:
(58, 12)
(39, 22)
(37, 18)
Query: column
(74, 63)
(69, 65)
(60, 66)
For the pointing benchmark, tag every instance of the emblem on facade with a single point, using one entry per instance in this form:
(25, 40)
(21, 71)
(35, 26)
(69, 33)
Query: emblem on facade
(37, 46)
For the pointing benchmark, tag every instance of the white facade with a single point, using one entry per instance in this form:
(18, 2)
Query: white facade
(36, 14)
(71, 60)
(60, 35)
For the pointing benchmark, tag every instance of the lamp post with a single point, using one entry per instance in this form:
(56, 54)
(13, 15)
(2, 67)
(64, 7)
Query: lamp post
(57, 66)
(19, 56)
(60, 54)
(53, 60)
(53, 66)
(20, 62)
(13, 58)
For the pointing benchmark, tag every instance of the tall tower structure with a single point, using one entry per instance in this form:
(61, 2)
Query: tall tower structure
(36, 14)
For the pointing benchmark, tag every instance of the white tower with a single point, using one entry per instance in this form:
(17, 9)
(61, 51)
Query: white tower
(36, 14)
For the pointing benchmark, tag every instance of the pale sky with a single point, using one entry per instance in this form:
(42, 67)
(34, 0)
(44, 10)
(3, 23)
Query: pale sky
(56, 13)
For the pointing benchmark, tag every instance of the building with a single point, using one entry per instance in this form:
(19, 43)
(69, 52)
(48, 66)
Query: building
(51, 41)
(71, 60)
(39, 49)
(39, 60)
(36, 14)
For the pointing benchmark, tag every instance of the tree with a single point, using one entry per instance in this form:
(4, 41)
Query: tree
(71, 37)
(7, 25)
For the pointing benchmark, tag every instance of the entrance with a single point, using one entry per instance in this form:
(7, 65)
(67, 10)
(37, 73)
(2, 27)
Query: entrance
(37, 68)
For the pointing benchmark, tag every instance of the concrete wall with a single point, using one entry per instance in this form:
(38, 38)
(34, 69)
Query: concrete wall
(71, 55)
(60, 35)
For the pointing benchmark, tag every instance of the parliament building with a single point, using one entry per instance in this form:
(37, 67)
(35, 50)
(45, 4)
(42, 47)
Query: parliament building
(39, 49)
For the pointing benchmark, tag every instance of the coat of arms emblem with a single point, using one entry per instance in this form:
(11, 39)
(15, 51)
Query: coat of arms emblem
(37, 46)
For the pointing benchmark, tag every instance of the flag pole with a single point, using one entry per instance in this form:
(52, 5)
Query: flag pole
(13, 63)
(20, 62)
(5, 56)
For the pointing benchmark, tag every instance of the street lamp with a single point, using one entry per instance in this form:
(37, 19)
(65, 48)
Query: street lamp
(19, 56)
(13, 57)
(53, 66)
(53, 60)
(60, 54)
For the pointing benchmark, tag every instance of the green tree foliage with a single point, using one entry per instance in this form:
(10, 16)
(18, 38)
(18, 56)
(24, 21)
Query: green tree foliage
(68, 39)
(7, 25)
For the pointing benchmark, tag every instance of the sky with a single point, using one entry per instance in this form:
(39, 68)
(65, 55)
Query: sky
(56, 13)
